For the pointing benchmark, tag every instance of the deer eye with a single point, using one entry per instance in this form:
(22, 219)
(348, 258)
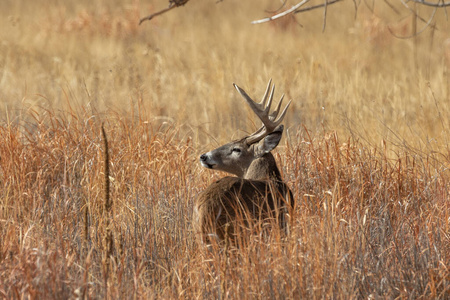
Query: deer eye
(237, 150)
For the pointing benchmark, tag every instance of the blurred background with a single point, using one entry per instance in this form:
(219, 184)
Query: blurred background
(365, 72)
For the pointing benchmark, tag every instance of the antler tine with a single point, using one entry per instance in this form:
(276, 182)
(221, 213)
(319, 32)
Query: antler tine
(265, 107)
(263, 101)
(274, 114)
(280, 119)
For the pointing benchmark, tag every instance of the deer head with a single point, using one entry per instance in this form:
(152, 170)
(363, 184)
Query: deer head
(250, 157)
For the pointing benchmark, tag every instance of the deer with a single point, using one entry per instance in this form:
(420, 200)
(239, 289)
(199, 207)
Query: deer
(257, 190)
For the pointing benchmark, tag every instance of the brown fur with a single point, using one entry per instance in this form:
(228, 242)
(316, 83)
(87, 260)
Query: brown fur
(232, 201)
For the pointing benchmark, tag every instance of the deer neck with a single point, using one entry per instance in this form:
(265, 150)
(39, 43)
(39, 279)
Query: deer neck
(263, 168)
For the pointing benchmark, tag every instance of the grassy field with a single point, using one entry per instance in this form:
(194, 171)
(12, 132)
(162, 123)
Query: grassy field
(366, 151)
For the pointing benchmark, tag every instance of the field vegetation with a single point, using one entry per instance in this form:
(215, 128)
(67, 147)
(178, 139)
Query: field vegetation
(366, 151)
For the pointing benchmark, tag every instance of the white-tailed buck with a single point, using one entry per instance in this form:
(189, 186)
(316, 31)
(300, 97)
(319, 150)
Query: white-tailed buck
(258, 192)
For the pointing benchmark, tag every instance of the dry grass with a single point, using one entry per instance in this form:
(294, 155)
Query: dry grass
(366, 153)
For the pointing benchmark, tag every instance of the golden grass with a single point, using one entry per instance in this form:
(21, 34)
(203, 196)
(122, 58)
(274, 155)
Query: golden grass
(366, 152)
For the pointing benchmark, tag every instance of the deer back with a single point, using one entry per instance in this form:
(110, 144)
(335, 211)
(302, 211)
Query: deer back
(232, 202)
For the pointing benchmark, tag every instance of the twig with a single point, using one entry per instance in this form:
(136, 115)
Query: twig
(296, 9)
(172, 4)
(286, 12)
(315, 6)
(427, 24)
(439, 4)
(148, 18)
(278, 9)
(325, 15)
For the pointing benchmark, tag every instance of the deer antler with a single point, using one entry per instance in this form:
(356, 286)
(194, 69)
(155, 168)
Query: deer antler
(261, 109)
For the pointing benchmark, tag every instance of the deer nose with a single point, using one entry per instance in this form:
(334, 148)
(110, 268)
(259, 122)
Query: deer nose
(203, 157)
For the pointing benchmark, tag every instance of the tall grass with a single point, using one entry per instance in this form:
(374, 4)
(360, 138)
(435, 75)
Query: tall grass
(365, 226)
(366, 151)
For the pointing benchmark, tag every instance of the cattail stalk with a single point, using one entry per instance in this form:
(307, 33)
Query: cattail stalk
(108, 250)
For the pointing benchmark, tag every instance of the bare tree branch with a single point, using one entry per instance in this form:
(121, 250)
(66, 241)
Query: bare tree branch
(427, 24)
(172, 4)
(392, 7)
(278, 9)
(285, 13)
(438, 4)
(325, 15)
(316, 6)
(418, 16)
(297, 9)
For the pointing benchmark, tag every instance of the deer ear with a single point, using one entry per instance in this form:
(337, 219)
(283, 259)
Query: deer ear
(270, 142)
